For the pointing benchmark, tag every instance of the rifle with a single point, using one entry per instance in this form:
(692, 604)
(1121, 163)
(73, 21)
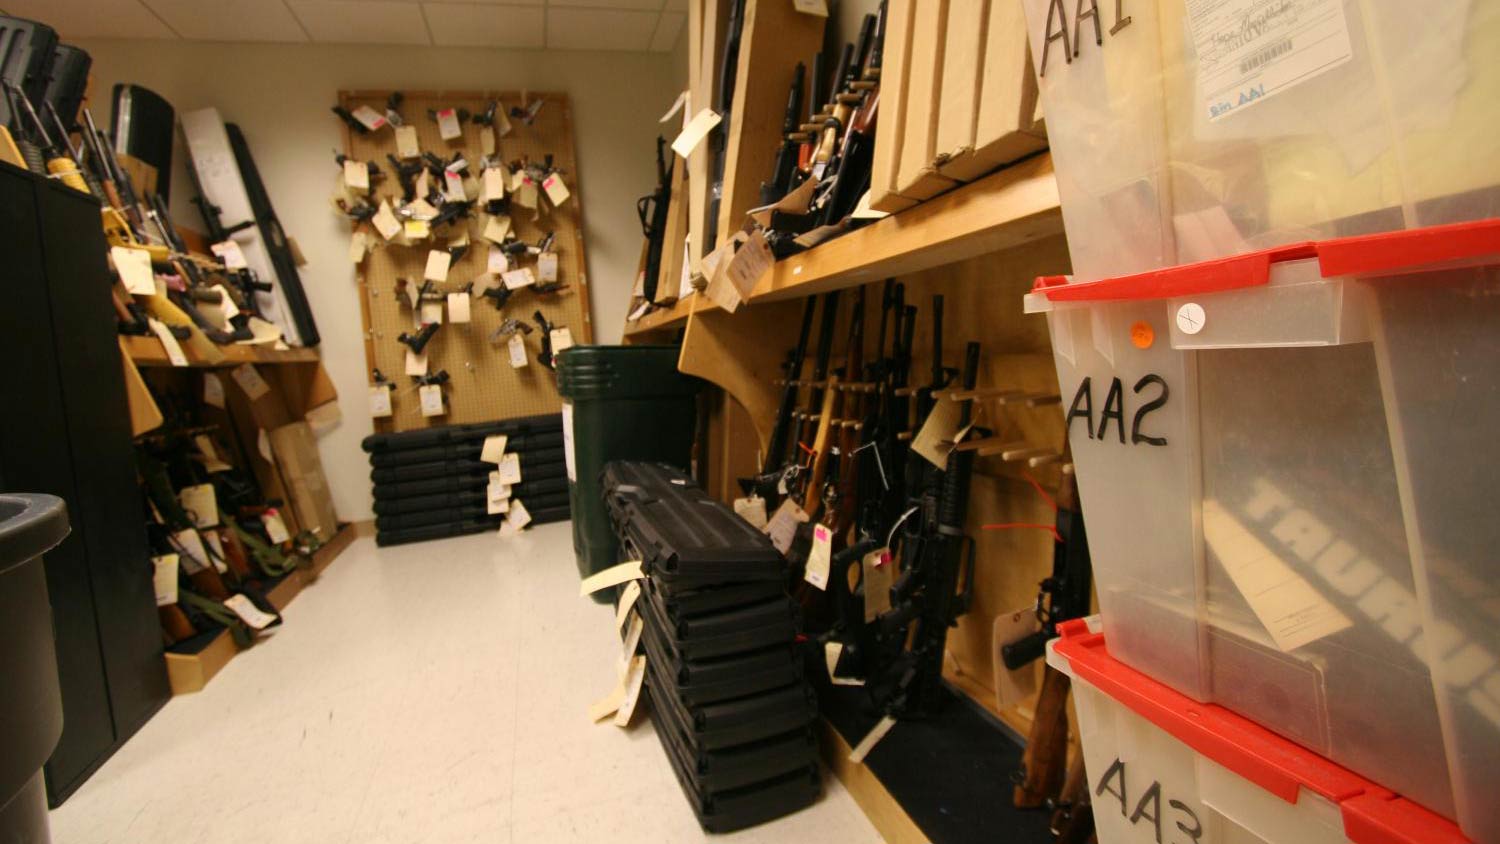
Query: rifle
(1063, 595)
(814, 405)
(653, 211)
(838, 488)
(724, 103)
(786, 156)
(771, 481)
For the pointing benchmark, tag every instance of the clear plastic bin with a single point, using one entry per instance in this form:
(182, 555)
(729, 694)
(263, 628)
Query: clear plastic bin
(1289, 460)
(1163, 768)
(1187, 130)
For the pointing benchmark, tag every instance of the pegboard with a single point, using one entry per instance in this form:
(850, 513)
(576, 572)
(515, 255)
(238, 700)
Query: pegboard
(482, 384)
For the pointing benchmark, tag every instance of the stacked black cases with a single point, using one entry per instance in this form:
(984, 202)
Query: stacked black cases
(729, 702)
(431, 483)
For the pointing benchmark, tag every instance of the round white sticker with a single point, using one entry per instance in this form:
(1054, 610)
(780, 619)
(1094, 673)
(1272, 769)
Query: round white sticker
(1190, 318)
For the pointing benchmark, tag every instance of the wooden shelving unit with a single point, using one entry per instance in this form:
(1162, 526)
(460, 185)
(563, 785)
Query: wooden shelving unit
(190, 672)
(1008, 208)
(148, 351)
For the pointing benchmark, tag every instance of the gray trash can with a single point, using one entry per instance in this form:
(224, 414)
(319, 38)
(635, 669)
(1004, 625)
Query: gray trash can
(31, 717)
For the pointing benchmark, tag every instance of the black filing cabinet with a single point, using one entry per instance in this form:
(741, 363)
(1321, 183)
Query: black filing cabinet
(65, 430)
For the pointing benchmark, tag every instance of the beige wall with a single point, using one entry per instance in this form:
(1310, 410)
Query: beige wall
(280, 95)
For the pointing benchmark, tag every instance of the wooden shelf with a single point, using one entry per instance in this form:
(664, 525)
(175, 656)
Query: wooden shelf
(148, 351)
(664, 318)
(1007, 208)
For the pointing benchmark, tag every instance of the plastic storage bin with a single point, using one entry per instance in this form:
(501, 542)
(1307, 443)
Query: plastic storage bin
(619, 403)
(1288, 460)
(1163, 768)
(1186, 130)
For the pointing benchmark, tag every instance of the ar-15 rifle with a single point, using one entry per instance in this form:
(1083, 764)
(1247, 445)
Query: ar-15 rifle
(838, 479)
(724, 104)
(653, 213)
(785, 168)
(1063, 596)
(771, 481)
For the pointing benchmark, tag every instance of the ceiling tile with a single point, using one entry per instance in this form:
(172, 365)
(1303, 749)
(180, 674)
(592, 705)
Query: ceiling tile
(652, 5)
(362, 21)
(599, 29)
(92, 18)
(229, 20)
(667, 31)
(468, 25)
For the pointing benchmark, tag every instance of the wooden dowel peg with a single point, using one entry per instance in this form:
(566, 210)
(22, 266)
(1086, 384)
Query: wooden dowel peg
(978, 395)
(1022, 454)
(1043, 460)
(989, 445)
(904, 436)
(1038, 401)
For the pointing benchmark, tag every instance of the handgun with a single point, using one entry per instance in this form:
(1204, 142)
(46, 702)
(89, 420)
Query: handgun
(417, 342)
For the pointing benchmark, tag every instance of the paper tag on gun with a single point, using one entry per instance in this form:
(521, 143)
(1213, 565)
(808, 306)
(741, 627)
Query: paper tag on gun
(356, 176)
(164, 578)
(562, 338)
(879, 573)
(248, 612)
(546, 267)
(1018, 686)
(168, 342)
(437, 265)
(448, 126)
(695, 131)
(782, 528)
(231, 254)
(134, 267)
(518, 278)
(431, 397)
(510, 469)
(752, 261)
(406, 142)
(494, 185)
(371, 118)
(819, 558)
(458, 307)
(380, 401)
(556, 190)
(936, 438)
(385, 221)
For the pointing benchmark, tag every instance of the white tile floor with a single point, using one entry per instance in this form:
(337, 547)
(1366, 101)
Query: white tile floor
(425, 693)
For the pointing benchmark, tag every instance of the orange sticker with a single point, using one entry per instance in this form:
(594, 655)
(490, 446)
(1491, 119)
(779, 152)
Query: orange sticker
(1142, 335)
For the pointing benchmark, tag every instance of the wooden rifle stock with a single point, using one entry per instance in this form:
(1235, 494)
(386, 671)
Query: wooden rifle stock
(1046, 757)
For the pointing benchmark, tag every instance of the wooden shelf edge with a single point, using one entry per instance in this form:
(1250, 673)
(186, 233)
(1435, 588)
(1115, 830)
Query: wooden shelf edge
(148, 351)
(882, 810)
(188, 673)
(665, 317)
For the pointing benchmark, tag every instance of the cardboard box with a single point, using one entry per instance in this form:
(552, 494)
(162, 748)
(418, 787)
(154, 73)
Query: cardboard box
(917, 176)
(296, 453)
(962, 74)
(1005, 127)
(890, 127)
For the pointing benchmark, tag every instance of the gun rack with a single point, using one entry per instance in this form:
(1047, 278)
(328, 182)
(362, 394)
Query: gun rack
(482, 386)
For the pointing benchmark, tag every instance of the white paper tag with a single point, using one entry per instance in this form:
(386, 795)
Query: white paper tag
(216, 549)
(556, 190)
(134, 267)
(371, 118)
(562, 338)
(448, 126)
(437, 265)
(1019, 686)
(487, 138)
(248, 612)
(406, 142)
(526, 193)
(275, 527)
(385, 221)
(493, 450)
(938, 433)
(510, 469)
(248, 377)
(516, 347)
(431, 313)
(749, 264)
(453, 187)
(632, 641)
(164, 579)
(811, 7)
(819, 558)
(431, 396)
(213, 390)
(494, 185)
(494, 506)
(227, 307)
(634, 677)
(831, 653)
(498, 262)
(194, 556)
(211, 460)
(416, 365)
(871, 739)
(782, 528)
(695, 131)
(201, 504)
(879, 574)
(495, 230)
(677, 105)
(752, 510)
(356, 176)
(518, 278)
(567, 426)
(458, 307)
(546, 266)
(628, 597)
(231, 254)
(357, 246)
(1249, 50)
(168, 342)
(612, 576)
(380, 401)
(519, 517)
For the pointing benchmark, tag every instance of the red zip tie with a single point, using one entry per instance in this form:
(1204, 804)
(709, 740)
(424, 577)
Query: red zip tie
(1039, 491)
(1012, 525)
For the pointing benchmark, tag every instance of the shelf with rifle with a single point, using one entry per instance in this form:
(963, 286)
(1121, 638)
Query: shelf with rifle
(148, 351)
(1014, 206)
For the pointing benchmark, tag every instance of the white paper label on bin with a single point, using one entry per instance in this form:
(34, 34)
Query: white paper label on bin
(1248, 50)
(567, 426)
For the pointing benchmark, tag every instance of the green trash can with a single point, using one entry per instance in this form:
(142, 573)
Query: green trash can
(619, 403)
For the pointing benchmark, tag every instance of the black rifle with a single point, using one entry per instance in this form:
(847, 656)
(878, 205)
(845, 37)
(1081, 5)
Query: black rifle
(808, 421)
(785, 167)
(653, 213)
(724, 103)
(776, 451)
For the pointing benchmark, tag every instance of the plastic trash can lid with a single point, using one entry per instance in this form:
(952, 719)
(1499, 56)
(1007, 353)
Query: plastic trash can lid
(30, 525)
